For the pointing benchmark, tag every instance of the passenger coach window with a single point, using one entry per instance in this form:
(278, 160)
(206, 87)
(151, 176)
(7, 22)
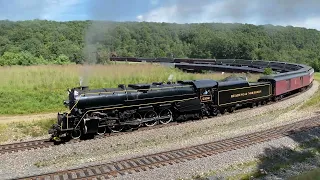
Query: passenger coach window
(301, 81)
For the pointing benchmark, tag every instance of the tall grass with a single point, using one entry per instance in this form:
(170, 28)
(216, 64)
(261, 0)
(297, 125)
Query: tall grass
(36, 89)
(315, 99)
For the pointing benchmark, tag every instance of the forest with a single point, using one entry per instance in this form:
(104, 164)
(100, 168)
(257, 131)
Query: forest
(50, 42)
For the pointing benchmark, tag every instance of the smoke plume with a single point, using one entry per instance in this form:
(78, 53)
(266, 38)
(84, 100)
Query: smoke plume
(99, 12)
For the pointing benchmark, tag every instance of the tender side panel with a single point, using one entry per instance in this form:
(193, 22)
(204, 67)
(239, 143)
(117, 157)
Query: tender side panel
(241, 95)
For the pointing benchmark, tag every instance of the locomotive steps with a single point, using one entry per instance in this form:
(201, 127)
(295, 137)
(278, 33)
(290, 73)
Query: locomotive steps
(152, 141)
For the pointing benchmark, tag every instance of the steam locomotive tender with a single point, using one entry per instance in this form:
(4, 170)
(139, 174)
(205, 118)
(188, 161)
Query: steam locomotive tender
(96, 111)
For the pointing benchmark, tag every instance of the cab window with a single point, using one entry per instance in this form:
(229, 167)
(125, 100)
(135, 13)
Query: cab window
(205, 92)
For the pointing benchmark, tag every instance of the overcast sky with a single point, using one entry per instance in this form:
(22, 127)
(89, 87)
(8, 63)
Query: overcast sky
(302, 13)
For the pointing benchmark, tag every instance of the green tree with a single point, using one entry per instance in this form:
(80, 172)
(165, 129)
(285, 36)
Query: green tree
(267, 71)
(62, 59)
(46, 42)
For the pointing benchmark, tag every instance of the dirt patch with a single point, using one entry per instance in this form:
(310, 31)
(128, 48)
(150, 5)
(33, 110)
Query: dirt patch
(31, 117)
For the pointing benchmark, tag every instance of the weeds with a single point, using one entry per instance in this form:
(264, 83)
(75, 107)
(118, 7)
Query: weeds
(310, 175)
(315, 99)
(18, 130)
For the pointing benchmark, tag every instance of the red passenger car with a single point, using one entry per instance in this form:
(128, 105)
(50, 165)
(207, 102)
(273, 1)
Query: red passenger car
(286, 83)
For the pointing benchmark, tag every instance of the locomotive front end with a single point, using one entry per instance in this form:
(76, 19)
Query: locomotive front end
(56, 129)
(64, 119)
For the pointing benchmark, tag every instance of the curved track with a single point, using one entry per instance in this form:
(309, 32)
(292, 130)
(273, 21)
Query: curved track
(228, 65)
(152, 161)
(44, 143)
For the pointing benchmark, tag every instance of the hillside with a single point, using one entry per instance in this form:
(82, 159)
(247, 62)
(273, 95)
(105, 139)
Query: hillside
(50, 42)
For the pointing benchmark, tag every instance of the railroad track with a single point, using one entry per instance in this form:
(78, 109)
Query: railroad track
(22, 146)
(167, 158)
(44, 143)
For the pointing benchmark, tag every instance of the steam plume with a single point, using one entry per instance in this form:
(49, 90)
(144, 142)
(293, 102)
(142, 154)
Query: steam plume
(101, 11)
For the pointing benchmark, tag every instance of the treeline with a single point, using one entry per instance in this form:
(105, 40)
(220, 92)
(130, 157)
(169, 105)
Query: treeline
(50, 42)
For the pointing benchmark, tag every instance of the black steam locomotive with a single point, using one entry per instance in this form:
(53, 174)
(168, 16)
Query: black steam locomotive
(96, 111)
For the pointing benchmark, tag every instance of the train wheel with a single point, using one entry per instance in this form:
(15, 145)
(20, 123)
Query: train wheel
(281, 97)
(135, 117)
(101, 130)
(75, 134)
(231, 110)
(223, 111)
(153, 115)
(252, 105)
(214, 112)
(115, 128)
(165, 116)
(269, 100)
(264, 102)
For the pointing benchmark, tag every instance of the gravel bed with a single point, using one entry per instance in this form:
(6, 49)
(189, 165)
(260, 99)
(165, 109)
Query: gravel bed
(138, 143)
(224, 160)
(283, 162)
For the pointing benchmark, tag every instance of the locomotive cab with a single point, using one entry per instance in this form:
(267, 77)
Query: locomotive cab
(205, 88)
(206, 94)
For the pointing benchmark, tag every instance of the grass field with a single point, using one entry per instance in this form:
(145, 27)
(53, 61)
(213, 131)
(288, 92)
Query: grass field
(40, 89)
(310, 175)
(315, 99)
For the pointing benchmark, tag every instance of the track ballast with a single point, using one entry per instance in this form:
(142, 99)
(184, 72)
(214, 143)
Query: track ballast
(158, 160)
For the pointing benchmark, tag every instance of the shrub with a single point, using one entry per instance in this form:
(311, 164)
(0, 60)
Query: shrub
(267, 71)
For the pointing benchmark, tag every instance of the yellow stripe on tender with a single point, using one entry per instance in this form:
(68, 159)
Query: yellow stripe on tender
(244, 87)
